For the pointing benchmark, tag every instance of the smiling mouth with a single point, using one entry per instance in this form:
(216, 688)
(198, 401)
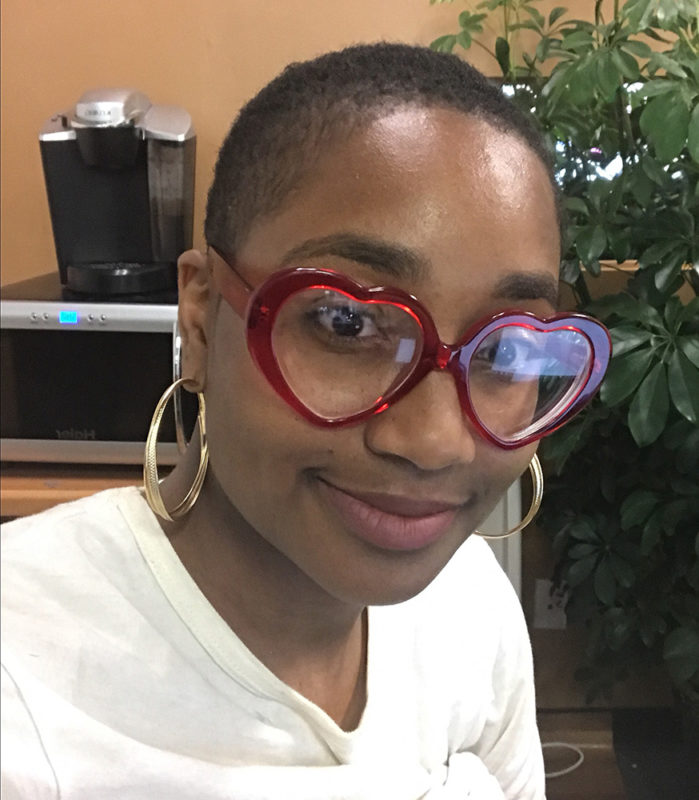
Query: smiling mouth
(391, 522)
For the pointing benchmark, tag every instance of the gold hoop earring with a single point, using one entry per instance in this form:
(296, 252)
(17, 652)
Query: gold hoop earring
(537, 494)
(151, 480)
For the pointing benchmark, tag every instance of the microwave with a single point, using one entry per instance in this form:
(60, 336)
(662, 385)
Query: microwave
(79, 379)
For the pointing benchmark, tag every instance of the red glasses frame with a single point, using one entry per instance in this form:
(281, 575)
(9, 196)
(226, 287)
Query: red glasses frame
(258, 307)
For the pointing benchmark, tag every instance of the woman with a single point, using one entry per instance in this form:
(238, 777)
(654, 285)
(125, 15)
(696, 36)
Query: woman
(302, 611)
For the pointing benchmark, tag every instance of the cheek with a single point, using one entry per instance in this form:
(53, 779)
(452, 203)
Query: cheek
(258, 446)
(241, 418)
(501, 468)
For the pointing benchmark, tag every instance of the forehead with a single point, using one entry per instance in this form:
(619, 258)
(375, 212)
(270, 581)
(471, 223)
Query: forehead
(464, 201)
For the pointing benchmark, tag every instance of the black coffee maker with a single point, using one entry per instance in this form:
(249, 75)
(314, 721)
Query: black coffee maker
(120, 181)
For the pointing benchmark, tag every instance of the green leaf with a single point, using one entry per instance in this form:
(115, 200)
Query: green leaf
(598, 193)
(624, 375)
(556, 84)
(667, 64)
(652, 532)
(628, 308)
(690, 312)
(693, 577)
(471, 22)
(669, 272)
(652, 89)
(502, 53)
(463, 39)
(583, 531)
(570, 271)
(582, 81)
(556, 14)
(623, 571)
(542, 49)
(608, 76)
(681, 652)
(649, 407)
(536, 15)
(618, 626)
(637, 507)
(444, 44)
(578, 551)
(683, 380)
(685, 486)
(619, 240)
(665, 121)
(627, 64)
(653, 169)
(604, 583)
(590, 243)
(466, 17)
(580, 570)
(688, 450)
(637, 48)
(673, 313)
(675, 512)
(558, 448)
(576, 40)
(626, 338)
(693, 134)
(656, 252)
(527, 25)
(689, 345)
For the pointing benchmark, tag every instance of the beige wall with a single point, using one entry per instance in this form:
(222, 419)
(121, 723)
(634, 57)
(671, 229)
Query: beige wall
(208, 56)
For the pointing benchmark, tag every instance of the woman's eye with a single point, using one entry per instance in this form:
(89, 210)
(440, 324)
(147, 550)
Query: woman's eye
(508, 355)
(345, 320)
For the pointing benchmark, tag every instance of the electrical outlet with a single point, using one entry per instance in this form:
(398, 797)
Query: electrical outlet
(549, 605)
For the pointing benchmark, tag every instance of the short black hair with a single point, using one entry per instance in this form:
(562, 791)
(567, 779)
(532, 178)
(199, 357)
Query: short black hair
(278, 134)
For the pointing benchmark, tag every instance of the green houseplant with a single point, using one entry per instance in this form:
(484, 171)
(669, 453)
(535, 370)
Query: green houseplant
(618, 98)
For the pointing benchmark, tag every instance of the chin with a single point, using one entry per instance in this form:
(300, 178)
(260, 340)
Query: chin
(401, 577)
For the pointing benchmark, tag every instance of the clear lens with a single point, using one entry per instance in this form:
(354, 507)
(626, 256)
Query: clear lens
(339, 355)
(520, 379)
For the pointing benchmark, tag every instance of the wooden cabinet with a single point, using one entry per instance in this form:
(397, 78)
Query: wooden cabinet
(30, 488)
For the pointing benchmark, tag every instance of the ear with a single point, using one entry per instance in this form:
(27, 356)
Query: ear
(193, 289)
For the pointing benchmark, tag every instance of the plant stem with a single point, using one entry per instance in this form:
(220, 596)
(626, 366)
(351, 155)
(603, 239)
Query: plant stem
(506, 26)
(598, 13)
(581, 291)
(627, 145)
(490, 52)
(688, 41)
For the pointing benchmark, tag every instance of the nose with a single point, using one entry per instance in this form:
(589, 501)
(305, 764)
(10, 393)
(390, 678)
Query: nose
(426, 427)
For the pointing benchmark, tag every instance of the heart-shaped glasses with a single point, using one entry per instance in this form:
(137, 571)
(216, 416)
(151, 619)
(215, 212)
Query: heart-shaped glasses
(338, 352)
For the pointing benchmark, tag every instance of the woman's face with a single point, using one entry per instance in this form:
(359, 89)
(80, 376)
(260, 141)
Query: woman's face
(461, 215)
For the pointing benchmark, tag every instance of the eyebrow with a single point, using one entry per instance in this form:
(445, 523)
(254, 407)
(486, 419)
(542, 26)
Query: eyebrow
(402, 262)
(381, 256)
(528, 286)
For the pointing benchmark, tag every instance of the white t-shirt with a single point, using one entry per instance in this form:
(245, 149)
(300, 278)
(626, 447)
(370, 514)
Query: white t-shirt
(120, 680)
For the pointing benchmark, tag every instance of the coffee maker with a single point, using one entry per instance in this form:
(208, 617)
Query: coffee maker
(119, 176)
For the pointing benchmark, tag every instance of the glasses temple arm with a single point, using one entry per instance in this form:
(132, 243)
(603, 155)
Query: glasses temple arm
(236, 291)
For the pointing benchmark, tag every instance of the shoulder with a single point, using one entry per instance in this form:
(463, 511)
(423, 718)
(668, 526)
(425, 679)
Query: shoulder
(69, 568)
(97, 510)
(69, 535)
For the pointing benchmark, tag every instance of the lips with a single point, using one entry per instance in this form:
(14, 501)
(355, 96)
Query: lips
(391, 522)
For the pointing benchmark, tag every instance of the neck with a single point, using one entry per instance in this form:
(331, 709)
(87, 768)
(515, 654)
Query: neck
(308, 638)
